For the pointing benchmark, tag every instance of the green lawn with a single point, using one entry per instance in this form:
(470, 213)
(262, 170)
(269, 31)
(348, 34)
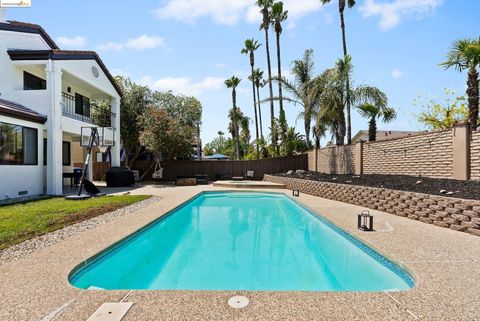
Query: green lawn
(20, 222)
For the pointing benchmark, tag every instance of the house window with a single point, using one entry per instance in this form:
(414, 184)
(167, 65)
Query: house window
(32, 82)
(66, 152)
(18, 145)
(82, 105)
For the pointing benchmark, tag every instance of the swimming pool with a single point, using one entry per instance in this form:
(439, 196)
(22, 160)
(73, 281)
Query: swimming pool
(241, 241)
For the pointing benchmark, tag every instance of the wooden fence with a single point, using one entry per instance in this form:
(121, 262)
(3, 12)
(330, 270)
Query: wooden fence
(214, 168)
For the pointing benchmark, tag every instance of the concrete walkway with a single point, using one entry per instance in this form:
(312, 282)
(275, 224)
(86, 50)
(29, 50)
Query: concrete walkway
(445, 264)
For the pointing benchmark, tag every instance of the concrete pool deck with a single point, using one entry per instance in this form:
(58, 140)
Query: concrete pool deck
(445, 262)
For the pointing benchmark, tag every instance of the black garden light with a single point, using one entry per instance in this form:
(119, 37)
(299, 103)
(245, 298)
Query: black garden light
(295, 192)
(365, 221)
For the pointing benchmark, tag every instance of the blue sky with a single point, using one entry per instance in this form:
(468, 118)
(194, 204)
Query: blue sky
(192, 46)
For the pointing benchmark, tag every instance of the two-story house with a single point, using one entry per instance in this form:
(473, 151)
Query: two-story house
(45, 100)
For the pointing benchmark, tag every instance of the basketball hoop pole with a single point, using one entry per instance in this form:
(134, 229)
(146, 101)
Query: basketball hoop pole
(93, 139)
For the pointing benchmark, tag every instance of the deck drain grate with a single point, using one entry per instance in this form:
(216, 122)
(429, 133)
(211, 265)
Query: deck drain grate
(238, 302)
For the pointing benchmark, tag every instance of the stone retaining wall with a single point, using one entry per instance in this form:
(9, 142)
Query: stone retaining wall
(457, 214)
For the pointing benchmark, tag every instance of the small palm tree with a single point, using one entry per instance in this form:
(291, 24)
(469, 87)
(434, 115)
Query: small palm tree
(259, 83)
(294, 142)
(341, 9)
(465, 55)
(233, 82)
(277, 17)
(251, 46)
(265, 6)
(373, 113)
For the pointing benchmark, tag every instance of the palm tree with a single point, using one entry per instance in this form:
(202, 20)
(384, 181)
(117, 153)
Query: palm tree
(465, 54)
(259, 83)
(294, 142)
(265, 6)
(305, 90)
(233, 82)
(251, 46)
(245, 132)
(330, 112)
(341, 10)
(277, 16)
(373, 113)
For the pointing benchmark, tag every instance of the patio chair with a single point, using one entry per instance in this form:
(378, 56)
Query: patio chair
(249, 174)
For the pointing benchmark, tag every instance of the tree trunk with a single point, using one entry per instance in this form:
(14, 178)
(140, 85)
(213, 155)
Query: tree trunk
(283, 129)
(473, 99)
(341, 130)
(372, 130)
(307, 122)
(270, 88)
(255, 110)
(259, 111)
(235, 123)
(347, 85)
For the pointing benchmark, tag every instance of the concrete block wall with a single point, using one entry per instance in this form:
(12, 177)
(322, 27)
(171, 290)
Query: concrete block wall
(453, 153)
(333, 160)
(428, 154)
(475, 156)
(457, 214)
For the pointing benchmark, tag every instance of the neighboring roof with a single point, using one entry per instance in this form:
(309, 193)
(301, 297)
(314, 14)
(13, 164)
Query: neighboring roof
(9, 108)
(384, 134)
(57, 54)
(18, 26)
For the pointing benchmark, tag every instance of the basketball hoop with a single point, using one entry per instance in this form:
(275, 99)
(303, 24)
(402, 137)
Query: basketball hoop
(90, 137)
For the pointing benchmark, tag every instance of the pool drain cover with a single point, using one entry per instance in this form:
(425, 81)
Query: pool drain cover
(238, 302)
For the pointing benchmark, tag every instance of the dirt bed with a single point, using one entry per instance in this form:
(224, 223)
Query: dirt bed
(436, 186)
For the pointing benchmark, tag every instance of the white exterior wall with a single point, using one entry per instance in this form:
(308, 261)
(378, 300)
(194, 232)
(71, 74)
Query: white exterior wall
(16, 178)
(59, 74)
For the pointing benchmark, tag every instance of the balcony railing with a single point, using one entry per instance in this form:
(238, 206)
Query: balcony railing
(86, 112)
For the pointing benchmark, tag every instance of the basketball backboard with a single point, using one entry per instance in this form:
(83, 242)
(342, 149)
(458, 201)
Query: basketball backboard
(104, 137)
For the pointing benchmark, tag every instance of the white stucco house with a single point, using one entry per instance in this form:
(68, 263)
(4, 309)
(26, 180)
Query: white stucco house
(45, 96)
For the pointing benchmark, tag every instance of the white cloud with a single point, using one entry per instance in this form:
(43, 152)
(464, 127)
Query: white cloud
(140, 43)
(77, 42)
(229, 12)
(145, 42)
(393, 12)
(183, 85)
(397, 73)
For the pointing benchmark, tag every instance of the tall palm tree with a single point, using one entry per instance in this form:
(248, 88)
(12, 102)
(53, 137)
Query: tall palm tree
(251, 46)
(265, 6)
(305, 89)
(465, 55)
(259, 83)
(373, 113)
(233, 82)
(277, 17)
(341, 9)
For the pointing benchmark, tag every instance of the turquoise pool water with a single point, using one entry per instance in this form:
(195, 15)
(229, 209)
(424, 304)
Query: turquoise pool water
(241, 241)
